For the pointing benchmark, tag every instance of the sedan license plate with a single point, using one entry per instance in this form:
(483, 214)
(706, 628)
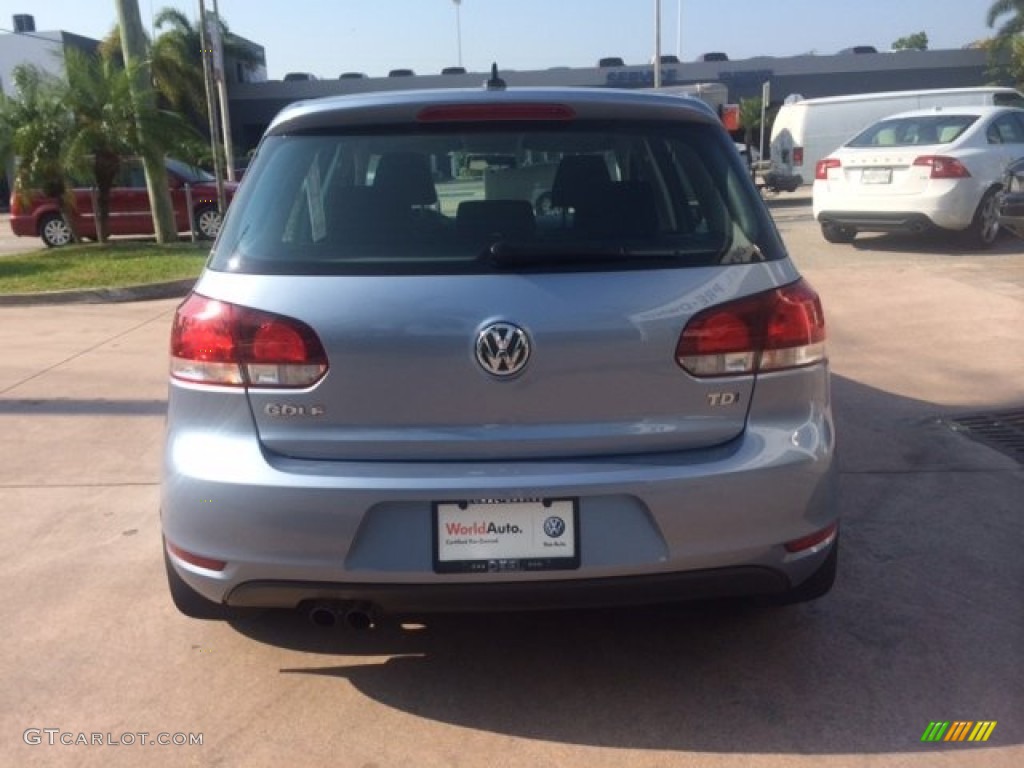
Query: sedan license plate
(876, 176)
(500, 536)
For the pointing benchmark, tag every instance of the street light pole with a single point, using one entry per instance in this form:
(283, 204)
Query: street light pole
(657, 43)
(458, 28)
(222, 92)
(211, 106)
(679, 30)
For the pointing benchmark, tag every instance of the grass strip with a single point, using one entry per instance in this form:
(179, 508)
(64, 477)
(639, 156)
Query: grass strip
(112, 265)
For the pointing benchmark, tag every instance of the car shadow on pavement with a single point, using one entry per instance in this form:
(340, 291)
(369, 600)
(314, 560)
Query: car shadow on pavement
(924, 623)
(66, 406)
(942, 243)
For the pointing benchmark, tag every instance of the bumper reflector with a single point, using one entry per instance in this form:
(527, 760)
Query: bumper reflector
(197, 560)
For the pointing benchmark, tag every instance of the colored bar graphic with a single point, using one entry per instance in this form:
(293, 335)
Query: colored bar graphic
(959, 730)
(982, 730)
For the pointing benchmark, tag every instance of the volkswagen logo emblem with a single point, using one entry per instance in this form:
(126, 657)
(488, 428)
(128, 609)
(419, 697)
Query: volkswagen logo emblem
(554, 527)
(502, 349)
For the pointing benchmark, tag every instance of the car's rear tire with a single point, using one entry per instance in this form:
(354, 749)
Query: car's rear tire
(187, 600)
(819, 583)
(984, 227)
(836, 233)
(207, 221)
(54, 231)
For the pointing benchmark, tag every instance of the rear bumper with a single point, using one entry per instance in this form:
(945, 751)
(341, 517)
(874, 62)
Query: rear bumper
(946, 204)
(653, 527)
(782, 182)
(24, 226)
(450, 598)
(905, 221)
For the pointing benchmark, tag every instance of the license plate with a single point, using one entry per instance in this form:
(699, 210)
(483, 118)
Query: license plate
(499, 536)
(876, 176)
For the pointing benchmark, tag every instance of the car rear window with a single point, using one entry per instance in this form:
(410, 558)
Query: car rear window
(913, 131)
(188, 173)
(534, 196)
(1008, 99)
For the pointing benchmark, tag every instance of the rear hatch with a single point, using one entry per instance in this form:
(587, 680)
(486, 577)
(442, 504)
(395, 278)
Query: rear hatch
(406, 382)
(875, 173)
(461, 320)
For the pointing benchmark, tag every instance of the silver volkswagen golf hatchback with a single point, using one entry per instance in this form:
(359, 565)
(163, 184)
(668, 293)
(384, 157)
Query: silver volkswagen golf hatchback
(497, 349)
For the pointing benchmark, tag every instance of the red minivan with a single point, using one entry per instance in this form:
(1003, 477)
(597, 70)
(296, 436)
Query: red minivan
(129, 206)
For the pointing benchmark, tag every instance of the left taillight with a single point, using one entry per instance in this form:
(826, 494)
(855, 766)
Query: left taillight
(822, 167)
(218, 343)
(770, 331)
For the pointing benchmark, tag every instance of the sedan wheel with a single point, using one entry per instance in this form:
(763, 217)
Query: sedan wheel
(984, 228)
(54, 231)
(208, 222)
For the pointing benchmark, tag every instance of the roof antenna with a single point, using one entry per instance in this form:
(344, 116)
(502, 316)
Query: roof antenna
(495, 83)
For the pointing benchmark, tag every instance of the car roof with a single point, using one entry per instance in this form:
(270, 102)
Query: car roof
(882, 95)
(393, 107)
(976, 110)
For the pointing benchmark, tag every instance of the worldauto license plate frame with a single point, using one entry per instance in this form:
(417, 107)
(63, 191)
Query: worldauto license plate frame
(502, 536)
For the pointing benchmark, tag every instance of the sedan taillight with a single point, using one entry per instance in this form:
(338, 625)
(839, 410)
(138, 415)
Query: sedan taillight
(822, 167)
(943, 167)
(770, 331)
(214, 342)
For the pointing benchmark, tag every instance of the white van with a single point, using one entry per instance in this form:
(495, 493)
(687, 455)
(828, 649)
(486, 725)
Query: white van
(807, 130)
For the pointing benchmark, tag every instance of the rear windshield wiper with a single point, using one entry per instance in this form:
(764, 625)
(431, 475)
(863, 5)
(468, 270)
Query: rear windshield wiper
(510, 254)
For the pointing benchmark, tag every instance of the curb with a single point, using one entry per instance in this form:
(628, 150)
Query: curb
(149, 292)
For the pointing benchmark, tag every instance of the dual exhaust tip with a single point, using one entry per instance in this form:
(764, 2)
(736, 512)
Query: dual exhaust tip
(356, 615)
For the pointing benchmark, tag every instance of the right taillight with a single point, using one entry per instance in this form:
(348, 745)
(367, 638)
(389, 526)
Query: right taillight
(822, 167)
(943, 167)
(771, 331)
(214, 342)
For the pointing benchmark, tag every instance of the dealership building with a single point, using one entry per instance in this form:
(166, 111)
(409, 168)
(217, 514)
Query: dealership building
(254, 100)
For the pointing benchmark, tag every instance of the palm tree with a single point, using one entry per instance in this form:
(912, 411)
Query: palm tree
(106, 125)
(176, 60)
(178, 66)
(34, 126)
(1014, 25)
(1006, 57)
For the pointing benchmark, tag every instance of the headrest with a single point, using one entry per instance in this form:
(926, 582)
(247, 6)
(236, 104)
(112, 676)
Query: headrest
(578, 178)
(405, 178)
(481, 219)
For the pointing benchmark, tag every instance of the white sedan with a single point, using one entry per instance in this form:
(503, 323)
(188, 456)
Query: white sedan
(918, 171)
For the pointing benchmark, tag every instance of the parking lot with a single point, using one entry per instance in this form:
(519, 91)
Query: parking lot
(926, 621)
